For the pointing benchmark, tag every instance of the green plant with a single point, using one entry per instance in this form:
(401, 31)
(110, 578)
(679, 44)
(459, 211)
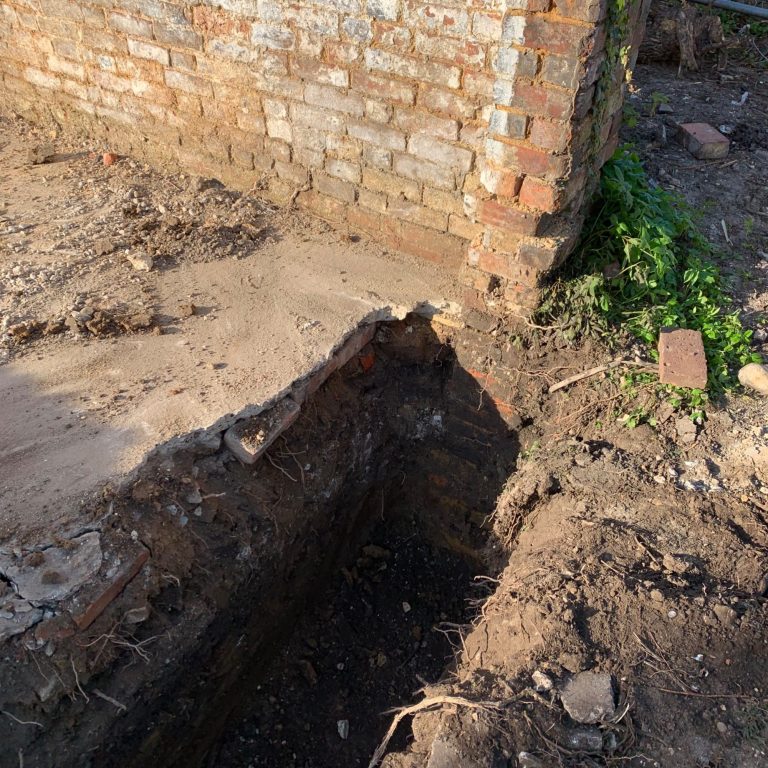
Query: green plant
(630, 116)
(641, 265)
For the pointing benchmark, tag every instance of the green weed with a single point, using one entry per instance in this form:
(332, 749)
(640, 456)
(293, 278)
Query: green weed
(642, 265)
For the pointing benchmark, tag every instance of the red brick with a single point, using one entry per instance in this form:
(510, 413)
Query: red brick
(682, 361)
(558, 37)
(539, 163)
(518, 220)
(538, 194)
(535, 99)
(392, 90)
(553, 136)
(703, 141)
(323, 206)
(120, 582)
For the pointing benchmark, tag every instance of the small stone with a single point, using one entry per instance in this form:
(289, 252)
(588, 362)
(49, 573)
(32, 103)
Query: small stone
(542, 682)
(187, 310)
(103, 246)
(342, 726)
(686, 430)
(657, 596)
(703, 141)
(586, 740)
(140, 261)
(755, 376)
(527, 760)
(136, 615)
(725, 615)
(406, 607)
(109, 158)
(721, 727)
(682, 361)
(588, 697)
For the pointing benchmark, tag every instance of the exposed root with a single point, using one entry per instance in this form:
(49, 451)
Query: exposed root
(431, 703)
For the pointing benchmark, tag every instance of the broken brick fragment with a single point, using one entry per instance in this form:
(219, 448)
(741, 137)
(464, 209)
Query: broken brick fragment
(703, 141)
(682, 361)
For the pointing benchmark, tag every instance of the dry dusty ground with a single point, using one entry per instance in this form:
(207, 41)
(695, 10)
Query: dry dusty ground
(641, 555)
(240, 301)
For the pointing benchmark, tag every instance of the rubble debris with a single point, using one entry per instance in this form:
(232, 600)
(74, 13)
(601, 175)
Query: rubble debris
(682, 361)
(55, 573)
(703, 141)
(16, 616)
(140, 261)
(588, 697)
(754, 376)
(249, 439)
(109, 158)
(42, 153)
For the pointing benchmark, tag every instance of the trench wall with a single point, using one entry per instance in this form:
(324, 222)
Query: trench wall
(466, 131)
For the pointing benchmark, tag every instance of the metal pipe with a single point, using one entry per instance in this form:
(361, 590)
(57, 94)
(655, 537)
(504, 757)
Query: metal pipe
(732, 5)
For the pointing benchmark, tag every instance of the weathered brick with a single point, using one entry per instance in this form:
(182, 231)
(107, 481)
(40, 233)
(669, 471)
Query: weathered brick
(385, 10)
(391, 90)
(316, 117)
(516, 219)
(508, 124)
(536, 99)
(379, 135)
(336, 188)
(149, 51)
(421, 170)
(557, 37)
(184, 81)
(584, 10)
(168, 34)
(391, 185)
(538, 194)
(387, 35)
(373, 200)
(440, 153)
(501, 181)
(448, 20)
(130, 25)
(342, 169)
(404, 66)
(414, 121)
(335, 99)
(446, 102)
(682, 361)
(418, 214)
(272, 37)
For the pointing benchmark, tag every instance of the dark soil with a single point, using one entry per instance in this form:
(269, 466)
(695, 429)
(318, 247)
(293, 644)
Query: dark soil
(376, 636)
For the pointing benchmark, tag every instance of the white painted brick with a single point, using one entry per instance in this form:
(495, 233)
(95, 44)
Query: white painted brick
(505, 62)
(275, 109)
(315, 117)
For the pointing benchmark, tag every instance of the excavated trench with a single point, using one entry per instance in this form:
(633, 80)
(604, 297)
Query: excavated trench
(293, 601)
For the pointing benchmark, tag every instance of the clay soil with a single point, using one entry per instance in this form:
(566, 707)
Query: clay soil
(641, 554)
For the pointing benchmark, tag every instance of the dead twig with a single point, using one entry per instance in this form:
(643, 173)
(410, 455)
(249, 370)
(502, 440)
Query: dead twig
(598, 369)
(430, 703)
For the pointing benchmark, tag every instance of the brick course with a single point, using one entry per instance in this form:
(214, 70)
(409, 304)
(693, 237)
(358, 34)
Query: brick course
(454, 131)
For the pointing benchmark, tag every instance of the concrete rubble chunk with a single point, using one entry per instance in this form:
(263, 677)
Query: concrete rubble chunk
(250, 438)
(682, 361)
(754, 376)
(588, 697)
(16, 616)
(57, 572)
(703, 141)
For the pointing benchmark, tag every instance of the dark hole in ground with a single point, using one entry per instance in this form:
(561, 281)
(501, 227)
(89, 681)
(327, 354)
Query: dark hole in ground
(364, 526)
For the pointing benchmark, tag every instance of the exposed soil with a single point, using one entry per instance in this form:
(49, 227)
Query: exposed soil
(435, 527)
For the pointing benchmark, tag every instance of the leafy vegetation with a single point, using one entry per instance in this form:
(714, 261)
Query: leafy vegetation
(642, 265)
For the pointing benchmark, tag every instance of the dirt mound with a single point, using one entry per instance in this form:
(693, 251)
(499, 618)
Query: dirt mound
(660, 590)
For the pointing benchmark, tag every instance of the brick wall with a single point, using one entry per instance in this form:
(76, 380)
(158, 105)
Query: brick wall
(459, 131)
